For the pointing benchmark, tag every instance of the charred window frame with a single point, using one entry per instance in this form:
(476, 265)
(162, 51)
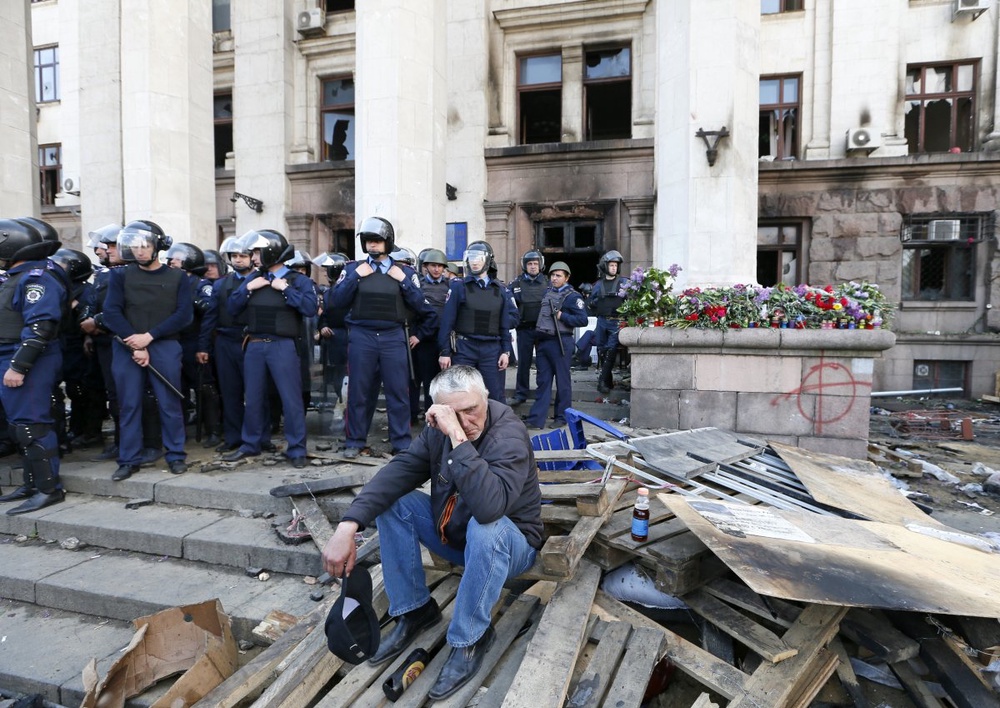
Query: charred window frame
(222, 114)
(47, 74)
(779, 247)
(337, 119)
(339, 5)
(928, 373)
(539, 98)
(939, 255)
(941, 107)
(779, 116)
(50, 171)
(772, 7)
(569, 236)
(607, 90)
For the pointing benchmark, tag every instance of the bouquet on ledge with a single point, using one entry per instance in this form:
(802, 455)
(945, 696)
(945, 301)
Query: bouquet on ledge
(648, 301)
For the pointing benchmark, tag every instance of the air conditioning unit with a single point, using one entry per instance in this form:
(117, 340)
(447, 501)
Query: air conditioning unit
(866, 139)
(944, 230)
(71, 185)
(311, 23)
(971, 7)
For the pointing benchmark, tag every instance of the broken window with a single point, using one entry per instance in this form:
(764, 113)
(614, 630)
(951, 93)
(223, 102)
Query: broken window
(939, 374)
(223, 115)
(778, 254)
(770, 7)
(779, 117)
(338, 120)
(939, 255)
(539, 88)
(941, 107)
(47, 74)
(339, 5)
(607, 86)
(49, 166)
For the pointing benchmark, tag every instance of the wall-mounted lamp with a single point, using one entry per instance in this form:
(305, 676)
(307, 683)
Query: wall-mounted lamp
(712, 148)
(450, 192)
(256, 204)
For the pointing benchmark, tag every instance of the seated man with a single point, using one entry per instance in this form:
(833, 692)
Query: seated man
(483, 512)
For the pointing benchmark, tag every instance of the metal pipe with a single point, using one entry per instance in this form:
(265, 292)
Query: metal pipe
(915, 392)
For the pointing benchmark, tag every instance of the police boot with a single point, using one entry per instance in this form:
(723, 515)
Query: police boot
(211, 416)
(39, 463)
(604, 380)
(24, 491)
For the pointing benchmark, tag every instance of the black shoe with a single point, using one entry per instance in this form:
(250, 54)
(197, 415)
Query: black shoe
(226, 447)
(39, 500)
(516, 401)
(238, 454)
(211, 441)
(298, 462)
(461, 666)
(268, 447)
(7, 448)
(177, 466)
(603, 388)
(108, 453)
(22, 492)
(407, 627)
(124, 472)
(149, 456)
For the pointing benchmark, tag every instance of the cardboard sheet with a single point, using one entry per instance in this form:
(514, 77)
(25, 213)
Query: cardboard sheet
(195, 640)
(796, 555)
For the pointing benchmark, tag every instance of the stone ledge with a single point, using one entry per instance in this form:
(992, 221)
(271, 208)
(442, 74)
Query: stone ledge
(787, 342)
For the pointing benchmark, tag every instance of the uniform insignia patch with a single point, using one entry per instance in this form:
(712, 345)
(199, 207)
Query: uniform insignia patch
(34, 292)
(415, 280)
(447, 296)
(206, 290)
(579, 303)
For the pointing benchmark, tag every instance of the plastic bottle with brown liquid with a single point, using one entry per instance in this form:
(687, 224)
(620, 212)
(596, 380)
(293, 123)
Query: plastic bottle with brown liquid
(640, 516)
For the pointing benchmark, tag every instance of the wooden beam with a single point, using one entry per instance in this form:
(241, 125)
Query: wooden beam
(314, 519)
(873, 631)
(561, 554)
(593, 683)
(740, 627)
(644, 650)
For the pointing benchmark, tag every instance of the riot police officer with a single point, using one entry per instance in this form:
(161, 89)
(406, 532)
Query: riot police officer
(435, 286)
(215, 265)
(275, 299)
(31, 306)
(333, 330)
(561, 311)
(380, 297)
(603, 303)
(528, 290)
(147, 306)
(477, 319)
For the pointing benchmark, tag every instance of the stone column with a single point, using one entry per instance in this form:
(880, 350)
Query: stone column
(402, 115)
(707, 77)
(168, 167)
(498, 234)
(640, 230)
(992, 142)
(263, 109)
(19, 188)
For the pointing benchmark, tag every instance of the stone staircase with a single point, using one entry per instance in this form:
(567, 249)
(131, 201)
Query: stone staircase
(189, 538)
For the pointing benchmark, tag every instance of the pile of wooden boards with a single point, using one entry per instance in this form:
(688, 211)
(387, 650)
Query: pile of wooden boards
(797, 570)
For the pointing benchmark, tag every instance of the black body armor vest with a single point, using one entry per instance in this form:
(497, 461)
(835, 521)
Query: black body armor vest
(150, 297)
(379, 298)
(268, 313)
(482, 310)
(607, 302)
(532, 292)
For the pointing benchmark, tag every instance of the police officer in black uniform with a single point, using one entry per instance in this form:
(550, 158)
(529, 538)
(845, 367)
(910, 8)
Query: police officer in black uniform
(32, 301)
(603, 303)
(528, 289)
(333, 331)
(477, 319)
(434, 285)
(562, 310)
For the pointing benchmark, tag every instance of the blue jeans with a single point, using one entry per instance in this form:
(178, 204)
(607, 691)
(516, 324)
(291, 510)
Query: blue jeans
(494, 553)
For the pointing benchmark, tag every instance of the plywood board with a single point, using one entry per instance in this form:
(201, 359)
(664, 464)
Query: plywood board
(852, 485)
(688, 453)
(806, 557)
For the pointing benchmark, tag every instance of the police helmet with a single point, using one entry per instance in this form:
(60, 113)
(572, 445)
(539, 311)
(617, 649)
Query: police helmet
(299, 259)
(213, 257)
(401, 254)
(586, 289)
(533, 256)
(100, 238)
(375, 228)
(273, 246)
(141, 233)
(610, 257)
(76, 264)
(191, 257)
(478, 259)
(560, 265)
(333, 263)
(50, 237)
(436, 256)
(19, 241)
(233, 244)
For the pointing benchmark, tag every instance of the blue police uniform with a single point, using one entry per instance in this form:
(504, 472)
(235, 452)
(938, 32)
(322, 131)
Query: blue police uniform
(553, 358)
(32, 301)
(221, 337)
(481, 313)
(378, 351)
(126, 312)
(425, 354)
(528, 291)
(102, 346)
(604, 302)
(274, 323)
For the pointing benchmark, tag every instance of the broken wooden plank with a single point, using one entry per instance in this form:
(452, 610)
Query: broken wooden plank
(739, 595)
(324, 486)
(505, 673)
(916, 688)
(845, 672)
(740, 627)
(593, 683)
(556, 644)
(561, 554)
(873, 631)
(645, 648)
(314, 519)
(274, 624)
(590, 499)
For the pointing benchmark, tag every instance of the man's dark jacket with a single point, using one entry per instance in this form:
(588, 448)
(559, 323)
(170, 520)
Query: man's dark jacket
(493, 477)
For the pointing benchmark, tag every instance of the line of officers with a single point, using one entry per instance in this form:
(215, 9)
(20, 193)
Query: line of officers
(136, 335)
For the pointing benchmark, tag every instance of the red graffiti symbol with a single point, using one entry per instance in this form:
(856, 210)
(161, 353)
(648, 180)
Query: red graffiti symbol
(825, 378)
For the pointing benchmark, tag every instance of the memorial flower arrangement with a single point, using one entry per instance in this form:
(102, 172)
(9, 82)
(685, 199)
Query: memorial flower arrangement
(651, 302)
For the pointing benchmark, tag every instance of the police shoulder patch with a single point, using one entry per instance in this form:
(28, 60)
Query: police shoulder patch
(206, 289)
(447, 295)
(415, 280)
(579, 303)
(34, 292)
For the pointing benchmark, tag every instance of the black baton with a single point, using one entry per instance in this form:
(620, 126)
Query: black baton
(157, 374)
